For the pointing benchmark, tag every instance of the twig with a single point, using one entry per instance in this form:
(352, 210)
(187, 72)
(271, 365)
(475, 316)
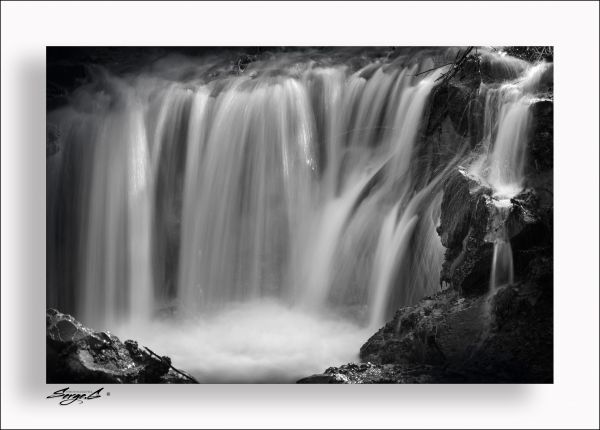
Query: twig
(457, 65)
(191, 378)
(435, 68)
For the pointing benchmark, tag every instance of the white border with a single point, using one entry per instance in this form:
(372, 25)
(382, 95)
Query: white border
(571, 27)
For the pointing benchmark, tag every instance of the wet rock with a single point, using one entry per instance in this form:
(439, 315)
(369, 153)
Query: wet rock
(503, 336)
(369, 373)
(78, 354)
(519, 344)
(423, 334)
(470, 222)
(464, 224)
(530, 227)
(457, 102)
(499, 337)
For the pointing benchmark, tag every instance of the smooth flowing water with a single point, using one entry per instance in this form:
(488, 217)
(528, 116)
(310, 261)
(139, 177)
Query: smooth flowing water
(256, 226)
(507, 119)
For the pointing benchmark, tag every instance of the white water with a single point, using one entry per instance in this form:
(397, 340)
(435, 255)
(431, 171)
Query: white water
(507, 119)
(272, 219)
(502, 272)
(261, 341)
(502, 165)
(502, 265)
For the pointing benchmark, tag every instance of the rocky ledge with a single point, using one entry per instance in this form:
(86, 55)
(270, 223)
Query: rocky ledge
(446, 338)
(78, 354)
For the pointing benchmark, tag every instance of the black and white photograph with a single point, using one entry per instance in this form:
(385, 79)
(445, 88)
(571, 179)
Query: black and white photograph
(300, 215)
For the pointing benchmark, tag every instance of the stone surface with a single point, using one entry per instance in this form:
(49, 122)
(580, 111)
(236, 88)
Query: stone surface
(369, 373)
(500, 337)
(78, 354)
(464, 224)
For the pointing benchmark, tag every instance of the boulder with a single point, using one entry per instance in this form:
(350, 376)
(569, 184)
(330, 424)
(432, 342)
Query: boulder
(424, 333)
(466, 211)
(78, 354)
(471, 220)
(504, 336)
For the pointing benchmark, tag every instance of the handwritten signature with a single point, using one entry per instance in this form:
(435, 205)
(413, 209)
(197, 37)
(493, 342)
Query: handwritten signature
(68, 398)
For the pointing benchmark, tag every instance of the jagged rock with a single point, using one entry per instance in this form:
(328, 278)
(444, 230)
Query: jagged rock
(78, 354)
(505, 336)
(464, 224)
(501, 337)
(470, 223)
(414, 334)
(458, 103)
(369, 373)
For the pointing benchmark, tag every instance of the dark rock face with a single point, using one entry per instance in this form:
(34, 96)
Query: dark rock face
(77, 354)
(503, 338)
(469, 223)
(464, 224)
(453, 118)
(446, 338)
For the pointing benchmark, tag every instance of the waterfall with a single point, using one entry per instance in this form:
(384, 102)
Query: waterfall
(295, 187)
(205, 192)
(502, 265)
(506, 125)
(502, 272)
(507, 121)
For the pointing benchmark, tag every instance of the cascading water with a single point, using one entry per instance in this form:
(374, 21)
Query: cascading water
(501, 166)
(502, 261)
(257, 225)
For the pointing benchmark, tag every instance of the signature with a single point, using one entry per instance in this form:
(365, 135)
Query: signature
(68, 398)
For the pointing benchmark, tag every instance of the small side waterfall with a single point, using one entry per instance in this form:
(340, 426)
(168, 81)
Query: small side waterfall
(501, 166)
(502, 265)
(502, 261)
(507, 121)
